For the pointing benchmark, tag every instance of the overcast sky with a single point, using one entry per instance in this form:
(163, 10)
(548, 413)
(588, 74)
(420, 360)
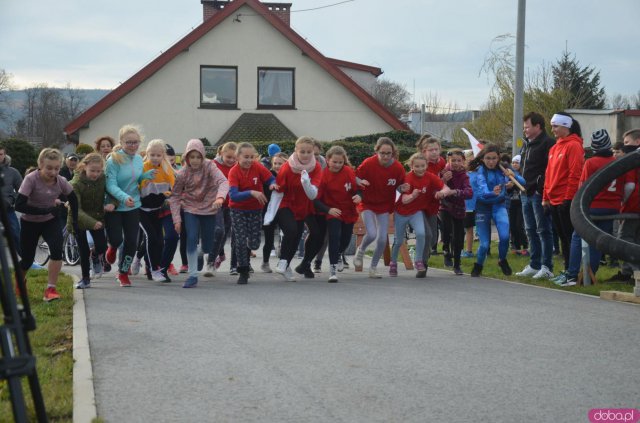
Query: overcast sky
(437, 45)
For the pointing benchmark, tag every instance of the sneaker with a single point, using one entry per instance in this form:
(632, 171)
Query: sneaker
(123, 278)
(358, 259)
(210, 270)
(233, 271)
(524, 253)
(305, 269)
(273, 253)
(421, 269)
(620, 277)
(340, 266)
(373, 273)
(457, 271)
(467, 254)
(191, 282)
(266, 268)
(165, 275)
(157, 276)
(504, 266)
(477, 270)
(543, 273)
(528, 271)
(559, 278)
(317, 267)
(281, 267)
(332, 273)
(172, 270)
(184, 268)
(570, 281)
(448, 260)
(219, 260)
(200, 262)
(345, 262)
(36, 266)
(288, 275)
(84, 283)
(135, 266)
(106, 266)
(110, 256)
(393, 269)
(243, 279)
(50, 294)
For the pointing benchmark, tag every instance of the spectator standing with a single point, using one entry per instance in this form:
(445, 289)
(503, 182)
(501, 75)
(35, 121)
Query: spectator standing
(11, 181)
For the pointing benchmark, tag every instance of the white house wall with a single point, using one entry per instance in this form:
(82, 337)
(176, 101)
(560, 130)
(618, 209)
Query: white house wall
(166, 105)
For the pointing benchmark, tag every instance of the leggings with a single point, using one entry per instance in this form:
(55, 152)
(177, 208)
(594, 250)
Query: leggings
(516, 224)
(246, 225)
(377, 226)
(292, 232)
(564, 229)
(317, 227)
(339, 238)
(151, 226)
(99, 245)
(123, 224)
(218, 246)
(430, 235)
(452, 235)
(51, 232)
(269, 240)
(400, 223)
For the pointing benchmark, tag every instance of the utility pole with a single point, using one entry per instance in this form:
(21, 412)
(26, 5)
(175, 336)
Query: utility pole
(518, 98)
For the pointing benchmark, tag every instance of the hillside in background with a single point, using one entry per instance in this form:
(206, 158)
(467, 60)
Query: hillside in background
(17, 98)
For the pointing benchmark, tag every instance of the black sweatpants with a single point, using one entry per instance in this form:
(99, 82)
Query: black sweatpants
(292, 232)
(339, 238)
(151, 226)
(452, 235)
(124, 225)
(564, 228)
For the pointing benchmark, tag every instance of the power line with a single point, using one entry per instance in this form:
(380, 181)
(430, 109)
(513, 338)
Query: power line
(322, 7)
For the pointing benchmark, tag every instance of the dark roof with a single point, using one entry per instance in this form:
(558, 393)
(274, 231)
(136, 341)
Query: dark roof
(252, 127)
(200, 31)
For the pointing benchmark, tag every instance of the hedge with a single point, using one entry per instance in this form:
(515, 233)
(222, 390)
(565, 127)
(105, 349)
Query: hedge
(23, 155)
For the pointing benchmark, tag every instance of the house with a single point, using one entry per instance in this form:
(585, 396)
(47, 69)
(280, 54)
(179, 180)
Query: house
(243, 61)
(615, 121)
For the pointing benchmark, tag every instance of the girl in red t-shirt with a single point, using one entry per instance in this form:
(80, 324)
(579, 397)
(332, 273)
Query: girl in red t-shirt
(381, 176)
(247, 199)
(338, 198)
(298, 181)
(422, 185)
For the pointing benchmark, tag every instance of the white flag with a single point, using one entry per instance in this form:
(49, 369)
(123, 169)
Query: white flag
(475, 145)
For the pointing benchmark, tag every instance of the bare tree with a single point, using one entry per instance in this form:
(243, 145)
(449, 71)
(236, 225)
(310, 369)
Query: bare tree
(393, 96)
(437, 110)
(5, 102)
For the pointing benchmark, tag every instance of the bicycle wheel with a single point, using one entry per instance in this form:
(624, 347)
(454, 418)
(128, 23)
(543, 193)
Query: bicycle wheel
(71, 251)
(42, 253)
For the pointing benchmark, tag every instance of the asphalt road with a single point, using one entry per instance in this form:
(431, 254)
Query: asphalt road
(444, 348)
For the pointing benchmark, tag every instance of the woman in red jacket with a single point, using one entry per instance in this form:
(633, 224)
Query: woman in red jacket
(381, 176)
(566, 159)
(298, 181)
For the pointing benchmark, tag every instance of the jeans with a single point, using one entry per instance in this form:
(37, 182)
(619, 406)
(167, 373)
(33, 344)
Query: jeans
(430, 235)
(537, 224)
(377, 226)
(400, 224)
(198, 227)
(171, 239)
(14, 228)
(594, 255)
(483, 226)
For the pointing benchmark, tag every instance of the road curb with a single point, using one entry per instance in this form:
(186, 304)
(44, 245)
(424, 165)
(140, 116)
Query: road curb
(84, 399)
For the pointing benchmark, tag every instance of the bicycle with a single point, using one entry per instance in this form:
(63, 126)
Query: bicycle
(70, 250)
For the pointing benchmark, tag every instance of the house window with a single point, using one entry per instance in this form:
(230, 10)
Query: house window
(218, 87)
(276, 88)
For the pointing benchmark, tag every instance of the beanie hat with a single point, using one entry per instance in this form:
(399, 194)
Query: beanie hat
(516, 159)
(600, 140)
(170, 150)
(273, 149)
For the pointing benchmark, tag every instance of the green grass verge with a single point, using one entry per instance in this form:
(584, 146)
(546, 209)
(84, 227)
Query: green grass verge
(52, 344)
(517, 263)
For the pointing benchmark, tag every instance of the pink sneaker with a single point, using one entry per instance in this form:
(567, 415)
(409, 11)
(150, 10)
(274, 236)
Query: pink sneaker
(172, 270)
(393, 269)
(219, 260)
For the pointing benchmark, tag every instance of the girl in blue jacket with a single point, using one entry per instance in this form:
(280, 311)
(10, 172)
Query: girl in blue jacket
(490, 186)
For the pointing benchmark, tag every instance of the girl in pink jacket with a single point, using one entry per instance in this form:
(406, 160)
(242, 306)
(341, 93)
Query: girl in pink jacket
(199, 191)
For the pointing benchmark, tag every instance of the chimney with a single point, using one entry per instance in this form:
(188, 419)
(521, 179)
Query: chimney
(211, 7)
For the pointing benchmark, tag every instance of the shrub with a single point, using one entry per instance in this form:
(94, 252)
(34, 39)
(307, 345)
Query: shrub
(83, 149)
(23, 154)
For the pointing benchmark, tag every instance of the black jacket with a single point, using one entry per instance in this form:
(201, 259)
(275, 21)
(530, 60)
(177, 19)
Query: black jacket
(535, 156)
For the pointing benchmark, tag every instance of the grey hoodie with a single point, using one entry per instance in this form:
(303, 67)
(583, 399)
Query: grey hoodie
(11, 182)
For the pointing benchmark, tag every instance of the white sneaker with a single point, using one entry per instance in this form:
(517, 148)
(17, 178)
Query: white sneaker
(157, 276)
(273, 253)
(281, 267)
(527, 271)
(373, 273)
(358, 259)
(288, 275)
(135, 266)
(332, 270)
(266, 268)
(543, 273)
(210, 270)
(340, 265)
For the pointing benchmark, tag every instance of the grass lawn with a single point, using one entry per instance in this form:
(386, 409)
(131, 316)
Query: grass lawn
(518, 263)
(52, 344)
